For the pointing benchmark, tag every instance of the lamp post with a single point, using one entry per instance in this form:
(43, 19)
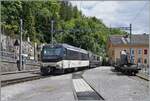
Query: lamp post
(20, 50)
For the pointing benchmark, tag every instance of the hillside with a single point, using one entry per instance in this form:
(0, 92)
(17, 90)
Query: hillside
(70, 25)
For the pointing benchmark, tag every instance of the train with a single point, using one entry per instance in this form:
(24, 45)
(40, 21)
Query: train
(61, 58)
(123, 65)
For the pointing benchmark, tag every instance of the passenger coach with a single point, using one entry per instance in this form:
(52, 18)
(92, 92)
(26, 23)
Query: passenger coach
(63, 57)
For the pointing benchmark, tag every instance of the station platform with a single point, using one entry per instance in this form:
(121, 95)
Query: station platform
(22, 71)
(114, 86)
(13, 76)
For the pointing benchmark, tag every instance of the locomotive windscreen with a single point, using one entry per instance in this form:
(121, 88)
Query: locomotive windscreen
(51, 54)
(52, 51)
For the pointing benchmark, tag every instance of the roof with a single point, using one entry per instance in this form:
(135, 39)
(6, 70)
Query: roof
(136, 39)
(68, 47)
(74, 48)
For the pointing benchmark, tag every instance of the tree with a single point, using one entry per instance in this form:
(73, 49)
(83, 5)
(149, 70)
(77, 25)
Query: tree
(70, 25)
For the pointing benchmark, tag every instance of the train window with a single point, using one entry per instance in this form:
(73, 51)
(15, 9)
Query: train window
(64, 54)
(72, 55)
(75, 55)
(84, 56)
(68, 54)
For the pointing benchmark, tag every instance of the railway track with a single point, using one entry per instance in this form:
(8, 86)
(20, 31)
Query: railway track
(34, 75)
(19, 80)
(140, 80)
(25, 71)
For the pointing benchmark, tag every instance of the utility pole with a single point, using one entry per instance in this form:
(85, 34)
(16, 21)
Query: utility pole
(129, 29)
(20, 51)
(52, 23)
(130, 41)
(130, 32)
(1, 38)
(0, 44)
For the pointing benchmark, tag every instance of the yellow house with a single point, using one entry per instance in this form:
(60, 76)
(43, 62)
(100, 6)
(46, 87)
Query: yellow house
(137, 48)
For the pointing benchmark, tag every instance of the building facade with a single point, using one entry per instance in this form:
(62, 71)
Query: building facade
(137, 48)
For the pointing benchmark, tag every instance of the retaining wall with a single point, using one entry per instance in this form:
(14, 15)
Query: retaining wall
(12, 66)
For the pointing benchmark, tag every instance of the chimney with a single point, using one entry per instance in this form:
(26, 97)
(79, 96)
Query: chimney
(126, 36)
(126, 39)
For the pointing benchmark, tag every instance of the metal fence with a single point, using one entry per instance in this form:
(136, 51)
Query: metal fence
(12, 57)
(145, 70)
(8, 56)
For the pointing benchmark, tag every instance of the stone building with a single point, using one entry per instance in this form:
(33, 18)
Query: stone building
(137, 48)
(7, 45)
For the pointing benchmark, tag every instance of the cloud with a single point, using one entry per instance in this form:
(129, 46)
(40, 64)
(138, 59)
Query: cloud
(118, 13)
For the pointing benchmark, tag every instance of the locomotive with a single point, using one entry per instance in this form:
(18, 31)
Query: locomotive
(64, 57)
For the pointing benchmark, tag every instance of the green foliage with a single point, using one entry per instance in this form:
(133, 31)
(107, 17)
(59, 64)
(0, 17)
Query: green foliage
(70, 25)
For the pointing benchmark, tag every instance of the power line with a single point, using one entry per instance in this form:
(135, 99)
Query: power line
(135, 17)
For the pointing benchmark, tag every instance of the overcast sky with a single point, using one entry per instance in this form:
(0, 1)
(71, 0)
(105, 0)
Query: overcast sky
(119, 13)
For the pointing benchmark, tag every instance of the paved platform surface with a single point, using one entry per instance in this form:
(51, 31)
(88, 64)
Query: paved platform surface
(113, 86)
(56, 88)
(143, 76)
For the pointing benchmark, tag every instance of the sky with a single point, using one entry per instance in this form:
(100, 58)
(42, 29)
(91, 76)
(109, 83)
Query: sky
(119, 13)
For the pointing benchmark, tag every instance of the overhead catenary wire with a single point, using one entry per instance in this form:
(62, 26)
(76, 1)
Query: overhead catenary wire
(139, 12)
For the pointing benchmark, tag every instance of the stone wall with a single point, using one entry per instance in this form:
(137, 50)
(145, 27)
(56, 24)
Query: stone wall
(12, 66)
(7, 45)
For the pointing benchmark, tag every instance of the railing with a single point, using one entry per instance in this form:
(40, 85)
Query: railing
(7, 56)
(145, 70)
(12, 57)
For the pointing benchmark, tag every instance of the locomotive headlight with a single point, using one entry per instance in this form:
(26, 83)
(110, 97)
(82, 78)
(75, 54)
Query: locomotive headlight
(42, 64)
(57, 66)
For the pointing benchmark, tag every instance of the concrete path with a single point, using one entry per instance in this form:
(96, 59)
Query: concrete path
(56, 88)
(113, 86)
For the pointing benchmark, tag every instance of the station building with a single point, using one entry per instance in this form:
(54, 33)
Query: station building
(138, 47)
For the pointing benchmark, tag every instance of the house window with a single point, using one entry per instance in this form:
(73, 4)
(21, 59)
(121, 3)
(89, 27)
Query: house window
(145, 51)
(139, 60)
(132, 59)
(145, 61)
(132, 51)
(139, 51)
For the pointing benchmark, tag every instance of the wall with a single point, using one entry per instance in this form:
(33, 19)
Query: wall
(12, 66)
(7, 45)
(127, 48)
